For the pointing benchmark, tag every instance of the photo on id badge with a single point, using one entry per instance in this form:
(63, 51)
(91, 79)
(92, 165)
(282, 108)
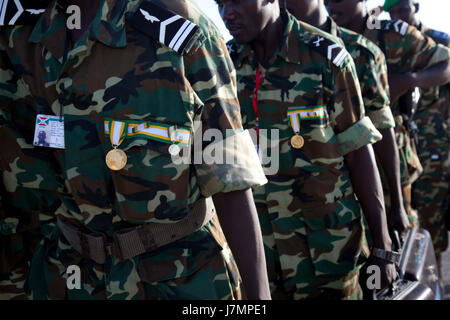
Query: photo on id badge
(49, 131)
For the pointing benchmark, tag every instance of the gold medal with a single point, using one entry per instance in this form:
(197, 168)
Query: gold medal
(297, 141)
(116, 159)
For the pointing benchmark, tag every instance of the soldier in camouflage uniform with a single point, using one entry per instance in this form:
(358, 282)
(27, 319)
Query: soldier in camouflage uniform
(309, 215)
(372, 74)
(134, 79)
(412, 59)
(432, 118)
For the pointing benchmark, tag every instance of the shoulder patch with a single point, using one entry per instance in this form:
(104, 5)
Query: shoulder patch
(232, 49)
(21, 12)
(332, 50)
(398, 26)
(167, 27)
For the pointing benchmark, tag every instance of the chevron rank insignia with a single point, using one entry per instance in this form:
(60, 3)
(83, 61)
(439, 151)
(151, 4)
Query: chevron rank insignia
(333, 51)
(21, 12)
(165, 26)
(399, 26)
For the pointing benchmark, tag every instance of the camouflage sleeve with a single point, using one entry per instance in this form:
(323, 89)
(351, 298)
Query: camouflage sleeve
(414, 51)
(375, 92)
(21, 164)
(354, 130)
(212, 76)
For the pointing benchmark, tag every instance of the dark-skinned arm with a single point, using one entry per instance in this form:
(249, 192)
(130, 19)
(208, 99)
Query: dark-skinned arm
(367, 186)
(434, 76)
(239, 220)
(386, 151)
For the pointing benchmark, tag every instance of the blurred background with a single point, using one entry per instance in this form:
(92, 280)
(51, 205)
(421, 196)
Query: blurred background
(433, 13)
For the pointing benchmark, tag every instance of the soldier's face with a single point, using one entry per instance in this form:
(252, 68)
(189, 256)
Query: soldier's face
(404, 10)
(344, 11)
(245, 19)
(302, 8)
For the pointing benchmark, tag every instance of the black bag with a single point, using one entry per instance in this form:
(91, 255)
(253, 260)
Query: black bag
(418, 277)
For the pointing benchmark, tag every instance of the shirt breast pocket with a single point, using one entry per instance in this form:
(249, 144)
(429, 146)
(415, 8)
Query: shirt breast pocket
(154, 184)
(312, 123)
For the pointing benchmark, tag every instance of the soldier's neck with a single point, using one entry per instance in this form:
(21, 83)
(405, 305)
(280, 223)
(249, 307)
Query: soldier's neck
(317, 18)
(358, 24)
(266, 45)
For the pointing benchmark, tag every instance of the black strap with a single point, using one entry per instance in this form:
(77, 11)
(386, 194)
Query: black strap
(165, 26)
(21, 12)
(332, 50)
(381, 41)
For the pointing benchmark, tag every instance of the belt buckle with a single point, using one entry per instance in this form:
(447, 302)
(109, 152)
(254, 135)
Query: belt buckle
(110, 248)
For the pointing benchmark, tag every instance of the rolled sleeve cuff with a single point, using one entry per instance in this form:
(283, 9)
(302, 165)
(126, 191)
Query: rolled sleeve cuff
(382, 118)
(239, 169)
(358, 135)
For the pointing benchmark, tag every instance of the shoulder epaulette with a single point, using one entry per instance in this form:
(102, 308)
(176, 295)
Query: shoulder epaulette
(368, 45)
(21, 12)
(232, 49)
(398, 26)
(165, 26)
(332, 50)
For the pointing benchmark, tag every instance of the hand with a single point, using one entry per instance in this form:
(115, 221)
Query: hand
(398, 219)
(388, 273)
(399, 84)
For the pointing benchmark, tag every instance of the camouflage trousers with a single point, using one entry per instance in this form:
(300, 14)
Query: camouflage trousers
(410, 170)
(304, 261)
(199, 266)
(430, 192)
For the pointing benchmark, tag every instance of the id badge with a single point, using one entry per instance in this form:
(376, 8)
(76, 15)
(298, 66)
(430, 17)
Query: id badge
(49, 131)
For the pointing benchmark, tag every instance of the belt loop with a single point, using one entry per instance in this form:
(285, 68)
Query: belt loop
(84, 244)
(115, 248)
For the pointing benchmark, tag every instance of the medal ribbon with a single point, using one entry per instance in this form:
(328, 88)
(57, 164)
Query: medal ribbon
(297, 113)
(118, 132)
(171, 134)
(258, 81)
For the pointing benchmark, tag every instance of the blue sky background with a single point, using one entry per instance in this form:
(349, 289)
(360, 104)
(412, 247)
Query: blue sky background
(434, 13)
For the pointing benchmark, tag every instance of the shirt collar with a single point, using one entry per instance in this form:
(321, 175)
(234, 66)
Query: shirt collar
(334, 29)
(421, 27)
(108, 26)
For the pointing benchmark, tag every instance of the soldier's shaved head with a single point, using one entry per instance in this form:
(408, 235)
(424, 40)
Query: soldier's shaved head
(310, 11)
(246, 20)
(405, 10)
(347, 12)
